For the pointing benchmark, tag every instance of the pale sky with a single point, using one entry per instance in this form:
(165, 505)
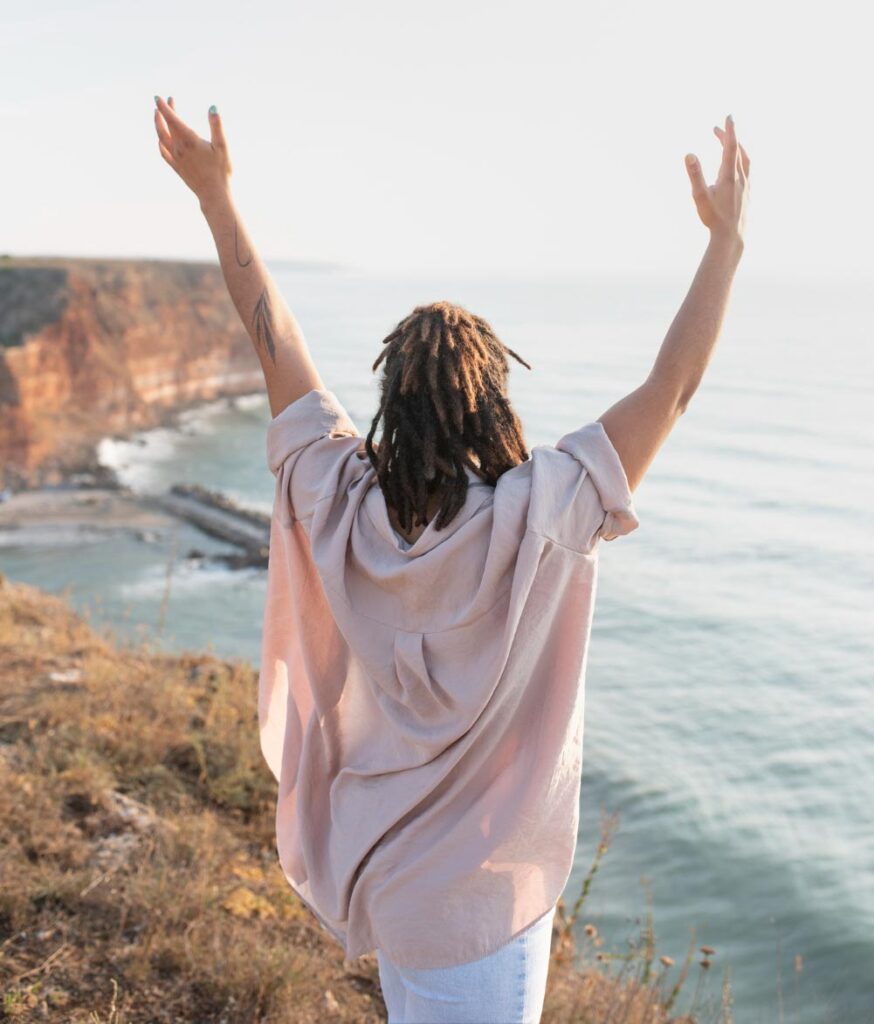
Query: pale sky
(459, 135)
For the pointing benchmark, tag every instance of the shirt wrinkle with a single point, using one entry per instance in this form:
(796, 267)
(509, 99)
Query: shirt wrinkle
(424, 632)
(576, 551)
(421, 706)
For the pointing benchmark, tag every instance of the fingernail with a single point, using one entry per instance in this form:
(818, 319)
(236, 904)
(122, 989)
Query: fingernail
(169, 99)
(731, 118)
(156, 101)
(213, 110)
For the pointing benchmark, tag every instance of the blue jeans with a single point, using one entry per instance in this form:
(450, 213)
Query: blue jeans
(506, 987)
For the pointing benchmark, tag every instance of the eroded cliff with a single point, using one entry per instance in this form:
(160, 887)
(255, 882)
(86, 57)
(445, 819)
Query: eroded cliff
(90, 347)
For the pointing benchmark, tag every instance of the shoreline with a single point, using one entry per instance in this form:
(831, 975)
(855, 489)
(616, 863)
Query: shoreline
(88, 499)
(60, 517)
(83, 468)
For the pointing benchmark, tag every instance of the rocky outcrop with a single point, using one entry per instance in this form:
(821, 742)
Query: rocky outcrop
(93, 347)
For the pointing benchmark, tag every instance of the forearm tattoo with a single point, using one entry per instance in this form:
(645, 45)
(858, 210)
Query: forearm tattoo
(262, 318)
(262, 321)
(240, 263)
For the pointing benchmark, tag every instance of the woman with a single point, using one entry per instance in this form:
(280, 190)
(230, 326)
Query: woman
(429, 605)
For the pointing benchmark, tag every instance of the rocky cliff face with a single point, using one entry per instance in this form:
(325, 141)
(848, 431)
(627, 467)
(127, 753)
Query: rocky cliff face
(90, 347)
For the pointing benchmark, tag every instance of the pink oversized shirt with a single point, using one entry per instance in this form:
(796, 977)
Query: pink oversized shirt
(421, 706)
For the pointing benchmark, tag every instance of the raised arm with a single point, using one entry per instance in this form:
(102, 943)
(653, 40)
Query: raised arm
(205, 166)
(639, 423)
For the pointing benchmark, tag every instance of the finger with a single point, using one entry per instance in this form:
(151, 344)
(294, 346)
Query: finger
(696, 176)
(216, 131)
(725, 140)
(159, 121)
(729, 152)
(744, 156)
(165, 153)
(175, 123)
(161, 128)
(745, 161)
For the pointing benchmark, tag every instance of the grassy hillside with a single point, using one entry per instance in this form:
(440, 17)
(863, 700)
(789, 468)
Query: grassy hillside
(140, 879)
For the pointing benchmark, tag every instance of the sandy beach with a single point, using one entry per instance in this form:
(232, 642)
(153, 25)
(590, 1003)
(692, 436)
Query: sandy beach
(62, 516)
(67, 516)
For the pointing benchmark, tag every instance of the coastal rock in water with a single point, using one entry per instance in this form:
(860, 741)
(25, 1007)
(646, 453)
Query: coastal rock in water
(92, 347)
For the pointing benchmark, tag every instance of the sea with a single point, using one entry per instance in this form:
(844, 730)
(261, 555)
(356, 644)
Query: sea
(729, 724)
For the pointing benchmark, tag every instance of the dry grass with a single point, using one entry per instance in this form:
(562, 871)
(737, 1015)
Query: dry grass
(585, 988)
(140, 880)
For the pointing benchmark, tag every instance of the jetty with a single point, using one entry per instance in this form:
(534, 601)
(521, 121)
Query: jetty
(220, 516)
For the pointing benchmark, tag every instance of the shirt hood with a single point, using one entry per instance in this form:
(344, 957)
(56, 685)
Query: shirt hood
(479, 494)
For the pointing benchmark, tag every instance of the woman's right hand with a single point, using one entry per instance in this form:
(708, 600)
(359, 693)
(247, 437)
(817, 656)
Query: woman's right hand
(722, 206)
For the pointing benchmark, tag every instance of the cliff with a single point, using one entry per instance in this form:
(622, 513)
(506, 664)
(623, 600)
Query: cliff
(91, 347)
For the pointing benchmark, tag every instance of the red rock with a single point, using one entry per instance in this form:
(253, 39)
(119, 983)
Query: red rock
(91, 347)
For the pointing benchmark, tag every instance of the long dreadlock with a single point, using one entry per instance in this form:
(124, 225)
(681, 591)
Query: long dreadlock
(443, 394)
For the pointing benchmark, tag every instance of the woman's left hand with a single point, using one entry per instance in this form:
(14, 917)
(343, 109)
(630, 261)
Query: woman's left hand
(204, 166)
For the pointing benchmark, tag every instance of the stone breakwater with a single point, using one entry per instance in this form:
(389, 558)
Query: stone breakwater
(219, 516)
(95, 347)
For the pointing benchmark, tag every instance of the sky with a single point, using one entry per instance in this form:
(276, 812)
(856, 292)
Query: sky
(467, 136)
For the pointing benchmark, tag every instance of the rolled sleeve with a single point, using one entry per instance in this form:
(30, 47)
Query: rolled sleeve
(308, 443)
(591, 447)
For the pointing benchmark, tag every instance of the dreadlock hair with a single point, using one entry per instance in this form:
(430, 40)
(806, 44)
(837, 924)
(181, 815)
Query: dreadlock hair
(443, 394)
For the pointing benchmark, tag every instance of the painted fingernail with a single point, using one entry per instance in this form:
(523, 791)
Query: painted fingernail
(156, 101)
(169, 99)
(213, 110)
(731, 118)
